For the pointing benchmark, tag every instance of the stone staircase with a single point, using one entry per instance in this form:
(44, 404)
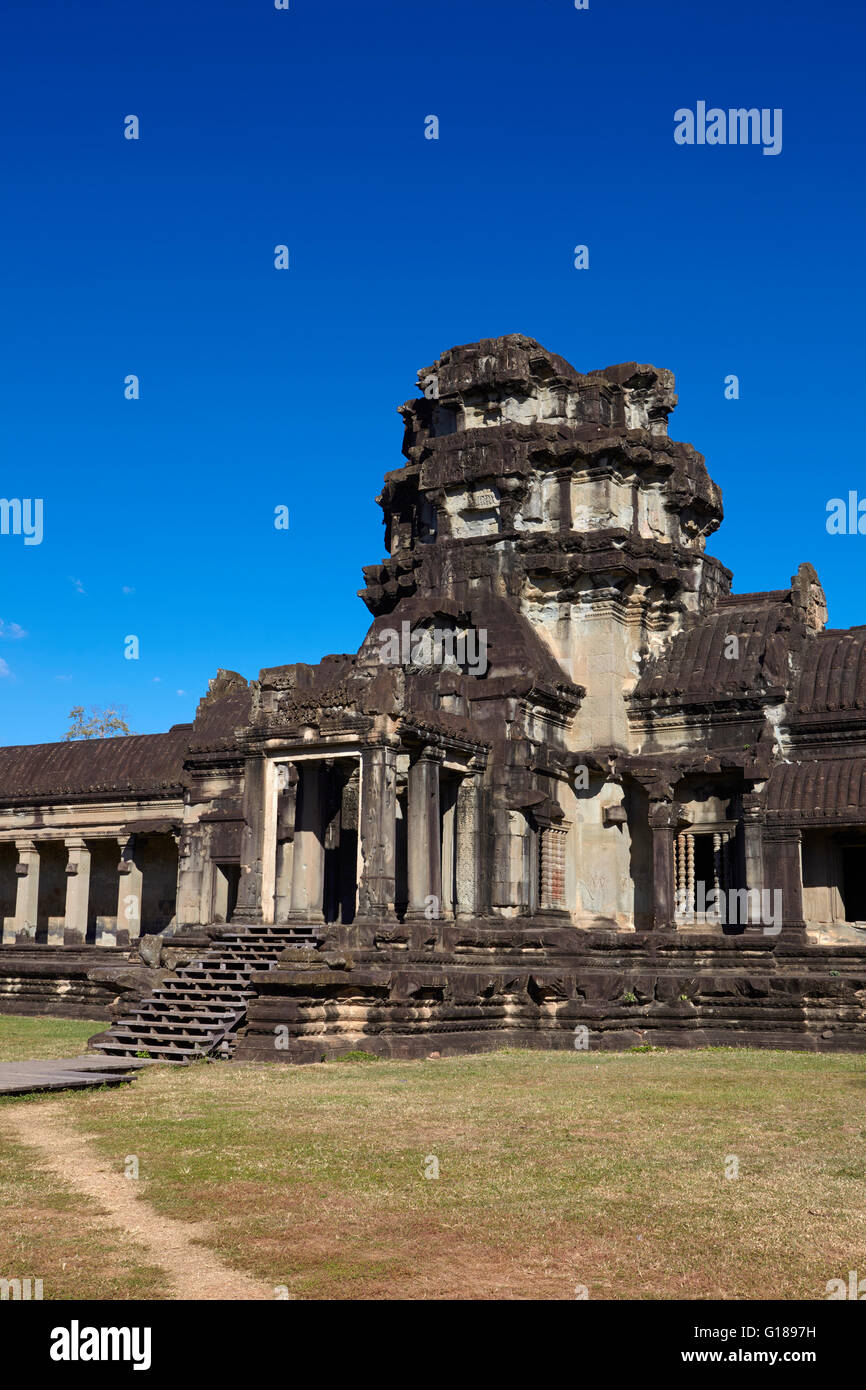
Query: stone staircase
(199, 1010)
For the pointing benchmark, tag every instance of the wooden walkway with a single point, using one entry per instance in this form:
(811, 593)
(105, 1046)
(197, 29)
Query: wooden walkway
(67, 1073)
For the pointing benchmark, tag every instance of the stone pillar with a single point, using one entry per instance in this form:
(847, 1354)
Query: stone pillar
(287, 788)
(129, 889)
(469, 867)
(783, 873)
(308, 854)
(27, 896)
(249, 905)
(448, 806)
(510, 893)
(663, 823)
(377, 833)
(77, 895)
(193, 901)
(424, 837)
(753, 845)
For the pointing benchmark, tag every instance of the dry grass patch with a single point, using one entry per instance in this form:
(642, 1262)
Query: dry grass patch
(51, 1233)
(556, 1169)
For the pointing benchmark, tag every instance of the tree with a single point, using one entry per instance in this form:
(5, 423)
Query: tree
(105, 723)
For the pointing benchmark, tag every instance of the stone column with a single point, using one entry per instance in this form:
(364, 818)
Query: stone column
(424, 837)
(287, 787)
(753, 841)
(249, 905)
(308, 854)
(448, 806)
(377, 833)
(663, 823)
(783, 873)
(77, 895)
(469, 867)
(27, 896)
(129, 889)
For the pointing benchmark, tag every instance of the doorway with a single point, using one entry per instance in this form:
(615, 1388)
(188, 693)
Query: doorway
(854, 882)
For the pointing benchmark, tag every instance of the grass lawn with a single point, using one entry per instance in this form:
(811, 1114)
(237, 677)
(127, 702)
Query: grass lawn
(23, 1038)
(556, 1170)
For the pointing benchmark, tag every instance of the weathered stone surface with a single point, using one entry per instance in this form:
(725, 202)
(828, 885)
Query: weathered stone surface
(665, 991)
(569, 779)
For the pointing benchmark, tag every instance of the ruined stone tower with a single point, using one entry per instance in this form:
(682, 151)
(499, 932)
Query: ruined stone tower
(570, 780)
(560, 496)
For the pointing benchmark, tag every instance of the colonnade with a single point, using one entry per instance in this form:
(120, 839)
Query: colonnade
(70, 927)
(771, 861)
(442, 827)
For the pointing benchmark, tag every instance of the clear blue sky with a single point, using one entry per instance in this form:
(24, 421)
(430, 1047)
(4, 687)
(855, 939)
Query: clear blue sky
(261, 387)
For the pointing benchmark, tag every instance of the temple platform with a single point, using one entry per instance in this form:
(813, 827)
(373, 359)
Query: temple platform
(605, 990)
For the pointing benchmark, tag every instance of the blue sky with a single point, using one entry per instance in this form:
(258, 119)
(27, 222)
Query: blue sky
(262, 388)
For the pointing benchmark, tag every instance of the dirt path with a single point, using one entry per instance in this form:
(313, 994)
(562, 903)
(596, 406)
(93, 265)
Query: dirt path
(192, 1270)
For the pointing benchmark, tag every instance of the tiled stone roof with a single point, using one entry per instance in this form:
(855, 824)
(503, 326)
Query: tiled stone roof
(834, 672)
(132, 763)
(828, 789)
(694, 664)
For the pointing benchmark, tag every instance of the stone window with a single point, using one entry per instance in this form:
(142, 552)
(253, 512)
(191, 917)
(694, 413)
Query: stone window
(704, 861)
(551, 867)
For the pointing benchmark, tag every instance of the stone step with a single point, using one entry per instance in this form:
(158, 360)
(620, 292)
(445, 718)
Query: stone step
(206, 981)
(269, 938)
(271, 934)
(242, 953)
(209, 995)
(200, 1008)
(192, 1031)
(235, 970)
(196, 984)
(184, 1008)
(245, 952)
(210, 976)
(146, 1042)
(173, 998)
(157, 1052)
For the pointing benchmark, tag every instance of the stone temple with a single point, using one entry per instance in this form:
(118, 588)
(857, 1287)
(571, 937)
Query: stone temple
(571, 791)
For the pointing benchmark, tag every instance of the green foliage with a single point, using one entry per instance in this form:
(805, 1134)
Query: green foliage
(105, 723)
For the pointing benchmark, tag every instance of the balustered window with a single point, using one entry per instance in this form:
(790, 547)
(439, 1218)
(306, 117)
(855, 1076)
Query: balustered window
(704, 862)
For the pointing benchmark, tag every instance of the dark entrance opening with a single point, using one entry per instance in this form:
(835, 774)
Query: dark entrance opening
(52, 888)
(401, 845)
(226, 884)
(854, 882)
(8, 885)
(704, 870)
(102, 900)
(156, 856)
(341, 842)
